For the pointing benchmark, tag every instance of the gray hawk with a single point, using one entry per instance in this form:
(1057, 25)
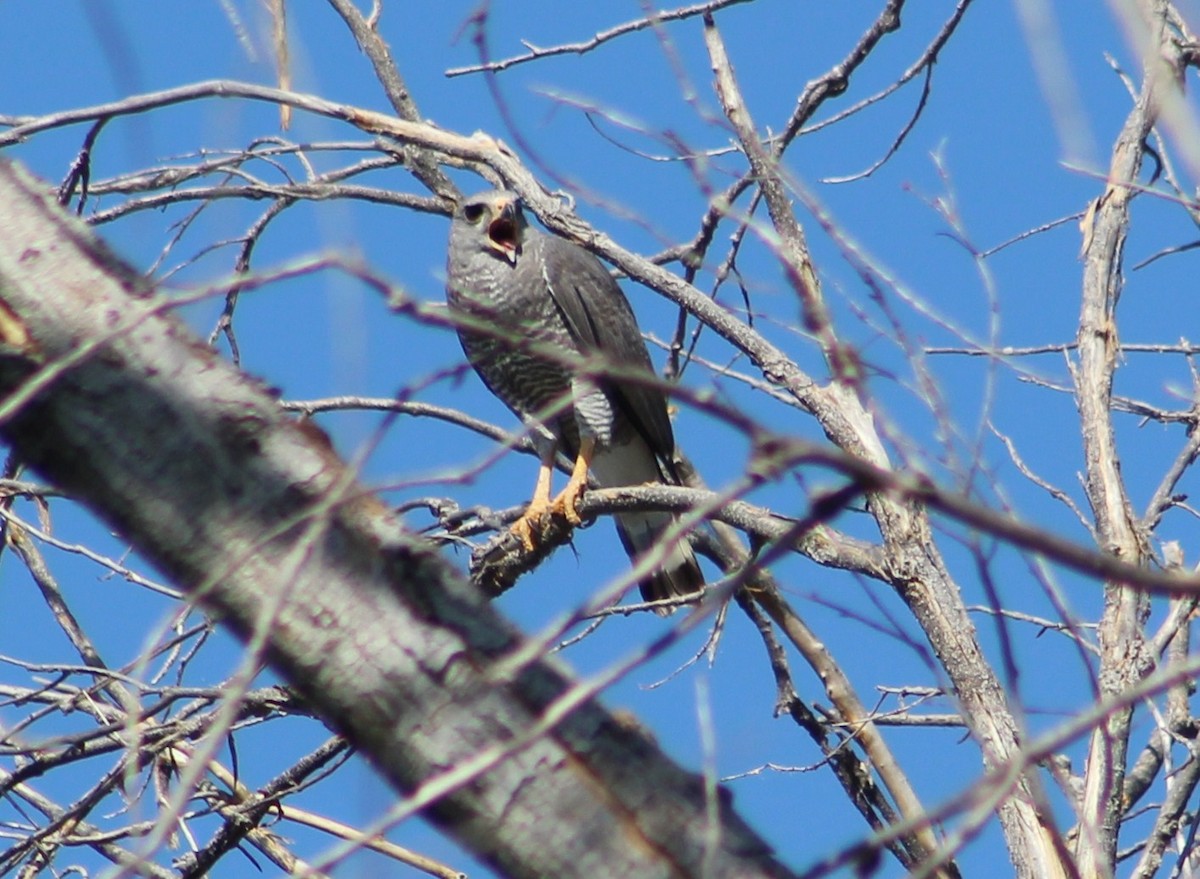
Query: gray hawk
(550, 304)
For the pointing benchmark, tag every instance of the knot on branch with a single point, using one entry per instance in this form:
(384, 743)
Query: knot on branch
(496, 566)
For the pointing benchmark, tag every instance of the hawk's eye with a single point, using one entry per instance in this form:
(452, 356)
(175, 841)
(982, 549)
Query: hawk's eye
(473, 212)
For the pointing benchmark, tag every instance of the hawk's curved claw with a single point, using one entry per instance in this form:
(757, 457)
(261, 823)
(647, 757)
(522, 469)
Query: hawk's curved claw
(567, 504)
(528, 528)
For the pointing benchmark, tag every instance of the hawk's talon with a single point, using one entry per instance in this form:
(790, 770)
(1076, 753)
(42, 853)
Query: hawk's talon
(567, 505)
(567, 502)
(529, 527)
(524, 532)
(532, 524)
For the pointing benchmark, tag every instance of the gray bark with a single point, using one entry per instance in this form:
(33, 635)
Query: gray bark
(109, 396)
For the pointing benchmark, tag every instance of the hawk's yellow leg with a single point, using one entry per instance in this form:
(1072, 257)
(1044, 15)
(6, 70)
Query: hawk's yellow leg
(567, 502)
(530, 522)
(528, 527)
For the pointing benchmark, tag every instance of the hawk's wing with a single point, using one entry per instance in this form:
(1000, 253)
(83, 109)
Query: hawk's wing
(601, 321)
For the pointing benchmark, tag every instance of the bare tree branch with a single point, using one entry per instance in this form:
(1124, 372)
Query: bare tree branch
(342, 601)
(1123, 660)
(653, 20)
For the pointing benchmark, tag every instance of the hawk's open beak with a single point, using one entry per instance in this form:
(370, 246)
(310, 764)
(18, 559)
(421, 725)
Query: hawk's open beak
(504, 233)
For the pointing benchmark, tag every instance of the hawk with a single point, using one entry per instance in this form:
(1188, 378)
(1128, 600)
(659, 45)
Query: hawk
(553, 310)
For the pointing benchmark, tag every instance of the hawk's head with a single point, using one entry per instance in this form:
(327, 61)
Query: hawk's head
(497, 220)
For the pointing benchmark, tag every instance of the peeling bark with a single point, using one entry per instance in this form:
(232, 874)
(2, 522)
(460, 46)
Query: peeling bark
(109, 396)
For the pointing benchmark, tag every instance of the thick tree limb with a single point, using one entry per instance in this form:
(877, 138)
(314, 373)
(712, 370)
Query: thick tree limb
(925, 584)
(1123, 656)
(251, 512)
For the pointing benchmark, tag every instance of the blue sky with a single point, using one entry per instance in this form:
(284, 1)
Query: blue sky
(985, 145)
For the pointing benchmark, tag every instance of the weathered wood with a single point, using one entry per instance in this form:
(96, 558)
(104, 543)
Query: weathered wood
(111, 397)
